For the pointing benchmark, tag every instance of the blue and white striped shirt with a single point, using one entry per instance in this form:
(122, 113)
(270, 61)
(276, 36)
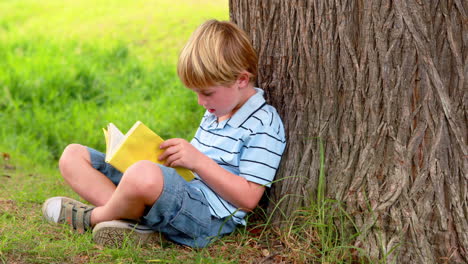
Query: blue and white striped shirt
(249, 144)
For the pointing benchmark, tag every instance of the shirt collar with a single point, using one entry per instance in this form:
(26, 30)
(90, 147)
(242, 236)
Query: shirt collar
(247, 109)
(255, 102)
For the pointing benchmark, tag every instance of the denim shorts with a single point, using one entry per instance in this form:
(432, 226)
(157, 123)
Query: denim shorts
(181, 212)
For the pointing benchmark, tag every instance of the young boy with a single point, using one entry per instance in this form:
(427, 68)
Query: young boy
(235, 153)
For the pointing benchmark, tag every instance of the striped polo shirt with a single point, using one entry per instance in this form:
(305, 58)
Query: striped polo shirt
(249, 144)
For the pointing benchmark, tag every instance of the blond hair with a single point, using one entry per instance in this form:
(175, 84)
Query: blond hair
(216, 54)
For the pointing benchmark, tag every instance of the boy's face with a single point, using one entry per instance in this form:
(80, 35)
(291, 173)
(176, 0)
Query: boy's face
(222, 101)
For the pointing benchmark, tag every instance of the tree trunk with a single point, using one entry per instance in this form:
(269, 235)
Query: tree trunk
(384, 85)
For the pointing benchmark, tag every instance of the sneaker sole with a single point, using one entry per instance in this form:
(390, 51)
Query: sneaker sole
(116, 233)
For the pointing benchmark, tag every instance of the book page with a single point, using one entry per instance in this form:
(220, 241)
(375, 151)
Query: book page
(115, 138)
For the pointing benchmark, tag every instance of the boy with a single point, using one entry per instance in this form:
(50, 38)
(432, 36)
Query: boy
(235, 153)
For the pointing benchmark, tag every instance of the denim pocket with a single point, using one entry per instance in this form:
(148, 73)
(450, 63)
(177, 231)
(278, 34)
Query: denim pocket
(194, 217)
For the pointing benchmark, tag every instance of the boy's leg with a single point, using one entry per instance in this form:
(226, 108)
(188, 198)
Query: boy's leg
(89, 183)
(140, 186)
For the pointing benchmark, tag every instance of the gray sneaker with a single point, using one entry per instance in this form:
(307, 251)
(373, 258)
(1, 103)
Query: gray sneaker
(64, 210)
(115, 233)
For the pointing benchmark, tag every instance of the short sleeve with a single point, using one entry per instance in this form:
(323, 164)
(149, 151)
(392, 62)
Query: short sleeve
(261, 154)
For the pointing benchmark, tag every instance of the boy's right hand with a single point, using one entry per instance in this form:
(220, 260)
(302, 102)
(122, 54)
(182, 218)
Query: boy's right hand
(180, 153)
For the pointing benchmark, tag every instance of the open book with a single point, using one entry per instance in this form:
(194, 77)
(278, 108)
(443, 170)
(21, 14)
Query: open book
(139, 143)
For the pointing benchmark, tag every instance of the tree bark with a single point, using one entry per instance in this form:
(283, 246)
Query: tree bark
(384, 85)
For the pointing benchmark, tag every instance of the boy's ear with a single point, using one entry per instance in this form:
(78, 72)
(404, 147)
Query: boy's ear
(244, 79)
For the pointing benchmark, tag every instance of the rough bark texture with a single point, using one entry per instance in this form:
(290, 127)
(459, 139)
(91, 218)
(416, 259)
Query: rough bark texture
(384, 84)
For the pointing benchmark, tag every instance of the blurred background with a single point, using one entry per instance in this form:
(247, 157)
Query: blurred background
(68, 68)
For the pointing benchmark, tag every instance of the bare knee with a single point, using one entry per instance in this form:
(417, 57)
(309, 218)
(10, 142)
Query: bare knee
(73, 155)
(146, 179)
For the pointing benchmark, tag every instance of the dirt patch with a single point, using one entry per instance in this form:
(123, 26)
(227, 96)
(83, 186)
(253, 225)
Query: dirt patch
(8, 205)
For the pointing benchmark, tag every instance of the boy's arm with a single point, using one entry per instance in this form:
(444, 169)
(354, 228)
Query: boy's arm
(233, 188)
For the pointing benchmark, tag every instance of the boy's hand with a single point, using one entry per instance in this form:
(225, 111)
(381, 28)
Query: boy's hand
(180, 153)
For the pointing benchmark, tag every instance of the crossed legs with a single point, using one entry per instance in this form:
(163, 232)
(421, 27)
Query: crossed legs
(141, 186)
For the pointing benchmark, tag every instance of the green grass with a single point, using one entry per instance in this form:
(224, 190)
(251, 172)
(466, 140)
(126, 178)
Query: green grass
(67, 68)
(315, 234)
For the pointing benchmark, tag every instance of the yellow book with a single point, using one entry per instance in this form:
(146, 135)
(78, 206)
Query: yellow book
(139, 143)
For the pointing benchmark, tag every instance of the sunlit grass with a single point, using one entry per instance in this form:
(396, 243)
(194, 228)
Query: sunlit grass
(152, 29)
(67, 68)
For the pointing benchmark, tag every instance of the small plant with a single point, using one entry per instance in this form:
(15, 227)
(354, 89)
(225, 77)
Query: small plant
(322, 232)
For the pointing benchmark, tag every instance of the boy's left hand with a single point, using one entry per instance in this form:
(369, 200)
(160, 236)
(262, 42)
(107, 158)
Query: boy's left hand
(180, 153)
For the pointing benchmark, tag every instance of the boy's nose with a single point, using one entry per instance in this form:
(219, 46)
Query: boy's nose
(201, 100)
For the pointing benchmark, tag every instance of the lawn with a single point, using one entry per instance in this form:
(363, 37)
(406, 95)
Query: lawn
(67, 69)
